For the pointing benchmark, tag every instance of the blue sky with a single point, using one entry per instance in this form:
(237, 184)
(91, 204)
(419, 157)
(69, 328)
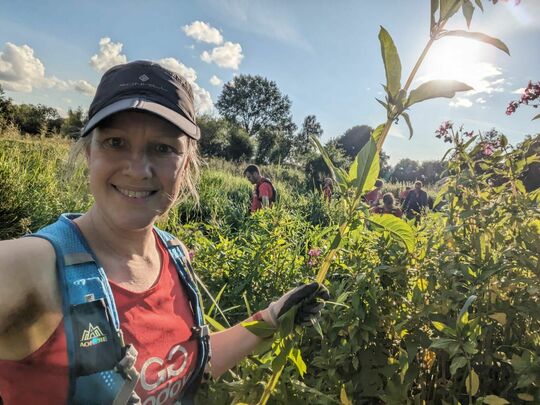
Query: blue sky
(324, 55)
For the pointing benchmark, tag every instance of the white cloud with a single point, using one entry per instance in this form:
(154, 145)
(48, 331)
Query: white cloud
(519, 91)
(227, 56)
(460, 102)
(21, 71)
(395, 132)
(82, 86)
(215, 81)
(480, 100)
(203, 32)
(202, 98)
(110, 54)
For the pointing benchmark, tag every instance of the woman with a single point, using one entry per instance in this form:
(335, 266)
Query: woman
(387, 207)
(102, 307)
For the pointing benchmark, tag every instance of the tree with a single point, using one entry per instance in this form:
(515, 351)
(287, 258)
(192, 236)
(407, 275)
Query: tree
(430, 171)
(35, 119)
(240, 146)
(406, 170)
(354, 139)
(255, 103)
(72, 124)
(215, 137)
(273, 146)
(6, 108)
(302, 146)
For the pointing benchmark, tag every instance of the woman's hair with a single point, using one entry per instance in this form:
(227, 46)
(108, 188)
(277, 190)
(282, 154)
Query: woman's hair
(190, 176)
(388, 199)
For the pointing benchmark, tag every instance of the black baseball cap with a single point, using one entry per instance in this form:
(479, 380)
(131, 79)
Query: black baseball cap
(144, 86)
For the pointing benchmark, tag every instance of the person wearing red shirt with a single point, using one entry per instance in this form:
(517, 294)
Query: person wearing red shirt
(373, 197)
(140, 145)
(387, 207)
(264, 193)
(328, 189)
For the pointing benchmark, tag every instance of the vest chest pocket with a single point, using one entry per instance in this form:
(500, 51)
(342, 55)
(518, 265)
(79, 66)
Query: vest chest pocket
(97, 346)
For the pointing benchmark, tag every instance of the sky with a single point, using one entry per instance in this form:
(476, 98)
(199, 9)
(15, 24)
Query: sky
(324, 55)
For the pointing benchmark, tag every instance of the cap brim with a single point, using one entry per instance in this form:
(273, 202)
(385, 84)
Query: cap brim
(142, 104)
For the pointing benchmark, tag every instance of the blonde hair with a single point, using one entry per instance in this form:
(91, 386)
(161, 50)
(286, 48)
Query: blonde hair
(190, 177)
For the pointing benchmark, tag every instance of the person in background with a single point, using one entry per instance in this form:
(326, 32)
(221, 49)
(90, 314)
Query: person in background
(416, 201)
(387, 207)
(328, 189)
(102, 307)
(403, 194)
(374, 196)
(264, 193)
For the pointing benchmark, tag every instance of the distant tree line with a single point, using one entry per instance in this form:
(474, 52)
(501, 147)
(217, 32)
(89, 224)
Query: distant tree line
(254, 125)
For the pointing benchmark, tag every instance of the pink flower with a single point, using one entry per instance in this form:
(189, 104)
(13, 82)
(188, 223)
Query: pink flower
(311, 263)
(487, 149)
(511, 107)
(469, 134)
(191, 254)
(315, 252)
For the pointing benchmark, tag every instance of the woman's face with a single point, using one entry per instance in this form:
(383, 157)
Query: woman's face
(136, 163)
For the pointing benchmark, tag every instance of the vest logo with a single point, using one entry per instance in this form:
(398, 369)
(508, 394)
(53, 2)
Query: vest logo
(92, 336)
(143, 78)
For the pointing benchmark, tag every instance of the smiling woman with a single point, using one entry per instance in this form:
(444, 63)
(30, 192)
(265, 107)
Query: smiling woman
(106, 310)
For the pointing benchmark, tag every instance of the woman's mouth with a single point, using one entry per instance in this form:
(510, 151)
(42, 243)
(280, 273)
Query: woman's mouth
(133, 193)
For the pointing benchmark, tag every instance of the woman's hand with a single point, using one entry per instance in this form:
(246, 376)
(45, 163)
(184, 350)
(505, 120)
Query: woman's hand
(310, 298)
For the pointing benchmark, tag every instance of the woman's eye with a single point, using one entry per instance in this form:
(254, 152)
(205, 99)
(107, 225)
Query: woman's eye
(114, 143)
(163, 148)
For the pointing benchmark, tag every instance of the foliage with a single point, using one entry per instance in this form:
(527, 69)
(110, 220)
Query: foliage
(354, 139)
(255, 103)
(302, 146)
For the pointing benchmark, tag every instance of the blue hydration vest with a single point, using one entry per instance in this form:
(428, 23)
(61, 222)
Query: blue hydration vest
(101, 366)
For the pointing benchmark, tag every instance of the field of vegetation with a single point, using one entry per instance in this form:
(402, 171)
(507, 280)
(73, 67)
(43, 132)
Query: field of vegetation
(454, 318)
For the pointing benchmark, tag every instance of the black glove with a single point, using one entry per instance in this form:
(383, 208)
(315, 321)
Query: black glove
(311, 298)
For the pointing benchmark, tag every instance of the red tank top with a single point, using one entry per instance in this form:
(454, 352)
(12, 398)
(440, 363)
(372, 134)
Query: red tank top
(157, 322)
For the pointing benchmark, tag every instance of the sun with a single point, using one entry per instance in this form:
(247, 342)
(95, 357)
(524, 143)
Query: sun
(456, 59)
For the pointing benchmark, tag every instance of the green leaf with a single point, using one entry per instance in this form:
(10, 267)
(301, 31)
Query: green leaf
(494, 400)
(478, 36)
(468, 10)
(536, 117)
(434, 8)
(440, 195)
(441, 327)
(337, 173)
(385, 105)
(286, 321)
(449, 8)
(442, 343)
(472, 383)
(392, 64)
(465, 307)
(376, 134)
(397, 228)
(259, 328)
(343, 396)
(436, 88)
(457, 363)
(296, 357)
(479, 4)
(408, 121)
(215, 324)
(364, 171)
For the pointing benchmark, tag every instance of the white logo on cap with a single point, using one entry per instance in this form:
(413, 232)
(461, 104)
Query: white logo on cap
(143, 78)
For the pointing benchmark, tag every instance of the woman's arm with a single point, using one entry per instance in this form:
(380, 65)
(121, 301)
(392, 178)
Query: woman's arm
(231, 346)
(30, 304)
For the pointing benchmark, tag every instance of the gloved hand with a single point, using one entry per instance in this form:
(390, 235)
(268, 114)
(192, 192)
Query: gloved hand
(311, 298)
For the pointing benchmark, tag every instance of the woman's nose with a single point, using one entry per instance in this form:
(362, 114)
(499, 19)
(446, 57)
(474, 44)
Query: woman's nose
(138, 165)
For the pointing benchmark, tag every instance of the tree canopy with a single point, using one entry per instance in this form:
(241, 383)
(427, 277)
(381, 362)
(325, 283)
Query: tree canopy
(255, 103)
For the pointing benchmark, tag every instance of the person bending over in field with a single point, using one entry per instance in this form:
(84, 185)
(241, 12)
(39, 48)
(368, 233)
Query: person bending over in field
(387, 207)
(102, 307)
(374, 196)
(328, 189)
(264, 193)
